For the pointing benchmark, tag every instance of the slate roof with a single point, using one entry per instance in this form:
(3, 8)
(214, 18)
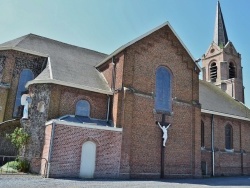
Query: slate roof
(220, 32)
(83, 120)
(212, 98)
(68, 65)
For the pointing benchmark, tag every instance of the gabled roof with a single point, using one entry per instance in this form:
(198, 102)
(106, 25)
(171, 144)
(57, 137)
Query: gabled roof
(143, 36)
(67, 64)
(220, 32)
(215, 101)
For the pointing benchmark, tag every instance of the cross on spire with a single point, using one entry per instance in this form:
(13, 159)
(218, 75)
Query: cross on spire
(220, 32)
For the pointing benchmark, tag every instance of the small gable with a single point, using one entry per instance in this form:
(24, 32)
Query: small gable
(213, 49)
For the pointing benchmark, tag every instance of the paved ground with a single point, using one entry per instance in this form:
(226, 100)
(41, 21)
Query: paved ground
(30, 181)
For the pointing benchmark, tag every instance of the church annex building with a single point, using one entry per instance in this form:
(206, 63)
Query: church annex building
(93, 115)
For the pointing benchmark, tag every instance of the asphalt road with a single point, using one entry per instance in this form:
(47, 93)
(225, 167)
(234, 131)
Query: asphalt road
(31, 181)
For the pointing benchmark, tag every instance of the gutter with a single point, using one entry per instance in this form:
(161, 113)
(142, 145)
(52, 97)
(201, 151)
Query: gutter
(225, 115)
(59, 82)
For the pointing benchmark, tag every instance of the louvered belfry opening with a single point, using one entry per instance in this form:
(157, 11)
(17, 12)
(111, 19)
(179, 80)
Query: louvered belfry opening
(231, 70)
(213, 72)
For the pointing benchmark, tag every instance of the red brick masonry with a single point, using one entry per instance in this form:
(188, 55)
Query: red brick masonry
(67, 145)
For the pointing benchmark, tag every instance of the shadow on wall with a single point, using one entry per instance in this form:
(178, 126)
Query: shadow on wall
(6, 147)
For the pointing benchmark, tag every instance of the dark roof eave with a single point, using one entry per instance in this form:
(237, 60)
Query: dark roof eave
(225, 115)
(2, 48)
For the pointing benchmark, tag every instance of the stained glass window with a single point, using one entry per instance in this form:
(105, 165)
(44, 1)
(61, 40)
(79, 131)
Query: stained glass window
(82, 108)
(229, 137)
(202, 134)
(25, 76)
(163, 99)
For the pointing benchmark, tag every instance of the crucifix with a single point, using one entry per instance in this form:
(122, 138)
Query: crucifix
(164, 129)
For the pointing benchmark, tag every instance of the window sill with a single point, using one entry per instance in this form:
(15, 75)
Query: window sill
(229, 150)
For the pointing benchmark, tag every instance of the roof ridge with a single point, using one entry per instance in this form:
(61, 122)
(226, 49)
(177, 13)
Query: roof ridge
(35, 35)
(25, 36)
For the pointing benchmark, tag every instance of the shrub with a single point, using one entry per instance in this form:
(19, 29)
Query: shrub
(23, 165)
(18, 138)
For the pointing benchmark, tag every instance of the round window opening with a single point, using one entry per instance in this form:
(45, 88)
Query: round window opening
(212, 51)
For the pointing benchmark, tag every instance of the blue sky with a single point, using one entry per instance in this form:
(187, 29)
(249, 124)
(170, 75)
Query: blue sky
(105, 25)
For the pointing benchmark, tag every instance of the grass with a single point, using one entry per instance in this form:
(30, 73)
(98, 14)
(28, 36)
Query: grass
(9, 167)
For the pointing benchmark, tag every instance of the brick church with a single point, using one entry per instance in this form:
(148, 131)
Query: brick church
(93, 115)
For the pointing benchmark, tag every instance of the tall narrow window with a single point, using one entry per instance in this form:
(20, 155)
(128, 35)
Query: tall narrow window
(25, 76)
(163, 99)
(231, 70)
(82, 108)
(228, 137)
(202, 134)
(213, 72)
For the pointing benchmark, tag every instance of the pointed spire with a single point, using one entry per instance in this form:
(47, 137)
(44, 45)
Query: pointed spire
(220, 33)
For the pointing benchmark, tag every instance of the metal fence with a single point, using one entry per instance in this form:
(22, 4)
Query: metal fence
(37, 165)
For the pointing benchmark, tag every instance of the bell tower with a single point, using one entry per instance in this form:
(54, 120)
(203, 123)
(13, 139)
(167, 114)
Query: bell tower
(221, 64)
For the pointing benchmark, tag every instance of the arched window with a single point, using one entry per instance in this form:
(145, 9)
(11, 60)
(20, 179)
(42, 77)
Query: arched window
(202, 134)
(232, 72)
(25, 76)
(228, 137)
(82, 108)
(163, 91)
(213, 72)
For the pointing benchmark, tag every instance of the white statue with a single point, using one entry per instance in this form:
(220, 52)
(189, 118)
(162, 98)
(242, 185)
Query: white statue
(165, 132)
(25, 101)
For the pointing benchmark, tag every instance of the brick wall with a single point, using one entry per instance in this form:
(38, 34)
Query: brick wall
(141, 145)
(107, 70)
(63, 101)
(226, 163)
(46, 148)
(67, 146)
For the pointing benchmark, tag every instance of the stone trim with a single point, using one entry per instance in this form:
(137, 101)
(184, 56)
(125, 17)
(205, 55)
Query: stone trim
(85, 125)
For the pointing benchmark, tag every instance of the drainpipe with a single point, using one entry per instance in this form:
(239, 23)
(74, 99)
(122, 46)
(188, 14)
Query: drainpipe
(212, 143)
(241, 153)
(113, 73)
(232, 87)
(108, 109)
(51, 147)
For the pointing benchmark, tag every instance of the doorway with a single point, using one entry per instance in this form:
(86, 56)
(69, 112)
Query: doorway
(88, 159)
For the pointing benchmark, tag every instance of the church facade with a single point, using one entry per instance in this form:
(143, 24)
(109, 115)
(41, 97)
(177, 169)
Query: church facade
(97, 115)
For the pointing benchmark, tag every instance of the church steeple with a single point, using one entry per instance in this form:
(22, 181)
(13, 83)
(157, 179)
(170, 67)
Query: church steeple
(220, 33)
(221, 64)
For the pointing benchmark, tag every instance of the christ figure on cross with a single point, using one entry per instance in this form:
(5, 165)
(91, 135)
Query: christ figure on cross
(165, 132)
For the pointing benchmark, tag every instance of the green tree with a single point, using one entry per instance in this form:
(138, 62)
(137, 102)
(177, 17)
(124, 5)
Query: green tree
(18, 138)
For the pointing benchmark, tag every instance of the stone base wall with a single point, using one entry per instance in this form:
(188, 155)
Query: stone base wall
(6, 147)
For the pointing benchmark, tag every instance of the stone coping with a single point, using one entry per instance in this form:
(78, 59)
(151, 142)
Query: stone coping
(83, 125)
